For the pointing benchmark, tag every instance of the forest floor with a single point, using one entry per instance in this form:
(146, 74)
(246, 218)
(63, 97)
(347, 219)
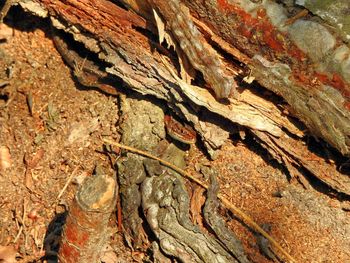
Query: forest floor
(51, 127)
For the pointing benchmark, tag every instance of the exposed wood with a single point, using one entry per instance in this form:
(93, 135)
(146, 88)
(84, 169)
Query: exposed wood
(86, 229)
(287, 60)
(126, 42)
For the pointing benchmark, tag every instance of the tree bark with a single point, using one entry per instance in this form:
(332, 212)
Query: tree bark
(86, 229)
(240, 40)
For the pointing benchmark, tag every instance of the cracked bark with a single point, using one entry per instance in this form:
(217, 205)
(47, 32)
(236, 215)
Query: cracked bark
(278, 60)
(273, 51)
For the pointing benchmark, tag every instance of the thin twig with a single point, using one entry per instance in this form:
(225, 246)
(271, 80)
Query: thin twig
(67, 183)
(291, 20)
(226, 202)
(25, 204)
(18, 234)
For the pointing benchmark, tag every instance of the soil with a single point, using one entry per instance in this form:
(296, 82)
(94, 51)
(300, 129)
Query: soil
(51, 127)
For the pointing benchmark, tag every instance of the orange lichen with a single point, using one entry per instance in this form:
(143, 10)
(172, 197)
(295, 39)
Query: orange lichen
(265, 33)
(335, 81)
(347, 105)
(75, 236)
(339, 83)
(296, 53)
(261, 13)
(301, 77)
(270, 36)
(322, 77)
(244, 31)
(69, 252)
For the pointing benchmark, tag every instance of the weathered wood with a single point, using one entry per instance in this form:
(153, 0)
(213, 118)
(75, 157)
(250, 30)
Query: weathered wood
(304, 61)
(269, 44)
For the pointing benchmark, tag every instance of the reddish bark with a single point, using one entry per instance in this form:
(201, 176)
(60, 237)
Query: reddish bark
(85, 231)
(319, 99)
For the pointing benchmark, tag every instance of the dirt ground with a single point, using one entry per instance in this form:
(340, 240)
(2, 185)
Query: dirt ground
(51, 128)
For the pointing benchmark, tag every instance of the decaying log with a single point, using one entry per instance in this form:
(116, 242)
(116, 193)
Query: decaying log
(116, 40)
(270, 44)
(85, 232)
(305, 61)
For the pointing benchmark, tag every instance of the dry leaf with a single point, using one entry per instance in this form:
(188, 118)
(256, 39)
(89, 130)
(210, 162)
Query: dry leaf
(5, 158)
(80, 131)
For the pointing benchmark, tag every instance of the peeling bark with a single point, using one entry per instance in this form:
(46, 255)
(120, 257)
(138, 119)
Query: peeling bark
(270, 43)
(305, 62)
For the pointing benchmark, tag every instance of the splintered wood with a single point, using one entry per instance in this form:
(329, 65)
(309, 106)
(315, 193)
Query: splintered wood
(85, 232)
(202, 56)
